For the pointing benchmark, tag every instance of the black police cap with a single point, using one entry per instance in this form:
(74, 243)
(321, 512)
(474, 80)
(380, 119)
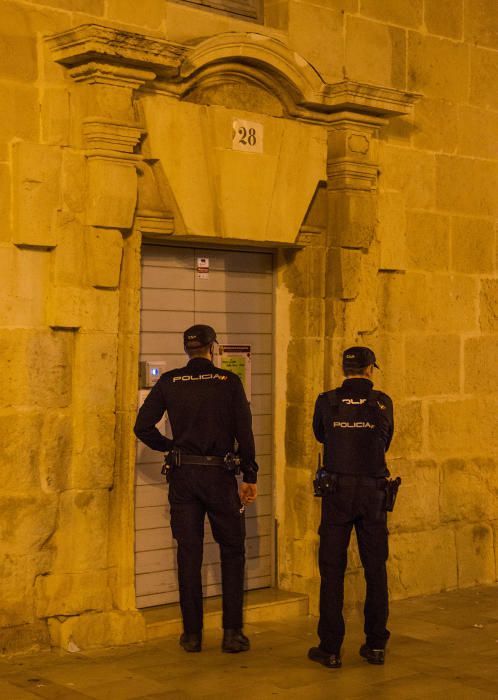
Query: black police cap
(198, 336)
(358, 357)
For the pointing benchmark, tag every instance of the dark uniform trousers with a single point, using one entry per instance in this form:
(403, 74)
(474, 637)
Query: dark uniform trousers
(358, 501)
(195, 490)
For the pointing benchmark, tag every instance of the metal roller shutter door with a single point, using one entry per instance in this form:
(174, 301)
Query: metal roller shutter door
(237, 300)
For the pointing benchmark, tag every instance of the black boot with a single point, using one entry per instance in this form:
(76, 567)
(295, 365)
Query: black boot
(373, 656)
(234, 641)
(324, 658)
(191, 641)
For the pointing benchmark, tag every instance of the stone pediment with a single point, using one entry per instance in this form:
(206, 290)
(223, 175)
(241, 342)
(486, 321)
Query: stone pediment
(192, 99)
(254, 57)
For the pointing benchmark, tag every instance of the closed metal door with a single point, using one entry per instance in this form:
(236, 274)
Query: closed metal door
(235, 297)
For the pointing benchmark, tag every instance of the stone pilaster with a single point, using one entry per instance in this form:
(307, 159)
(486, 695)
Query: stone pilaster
(95, 206)
(106, 135)
(352, 167)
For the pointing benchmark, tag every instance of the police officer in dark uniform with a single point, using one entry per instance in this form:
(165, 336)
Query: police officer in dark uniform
(208, 412)
(355, 425)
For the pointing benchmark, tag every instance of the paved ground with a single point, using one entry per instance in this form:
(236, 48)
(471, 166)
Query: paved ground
(443, 646)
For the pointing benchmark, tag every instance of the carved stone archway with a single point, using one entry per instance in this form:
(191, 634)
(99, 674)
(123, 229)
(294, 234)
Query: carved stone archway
(109, 68)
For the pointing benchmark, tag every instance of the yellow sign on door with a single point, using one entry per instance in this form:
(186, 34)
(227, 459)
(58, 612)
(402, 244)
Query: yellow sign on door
(237, 359)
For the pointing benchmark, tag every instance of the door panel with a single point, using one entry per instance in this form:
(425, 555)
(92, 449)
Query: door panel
(237, 282)
(237, 301)
(176, 278)
(236, 298)
(168, 300)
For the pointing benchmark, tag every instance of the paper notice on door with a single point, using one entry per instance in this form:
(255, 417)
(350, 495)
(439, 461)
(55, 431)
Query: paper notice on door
(237, 359)
(203, 268)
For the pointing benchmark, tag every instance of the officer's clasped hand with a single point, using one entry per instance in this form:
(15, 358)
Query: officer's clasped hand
(247, 493)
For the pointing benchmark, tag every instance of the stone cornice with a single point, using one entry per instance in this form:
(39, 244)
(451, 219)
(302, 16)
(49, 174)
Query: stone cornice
(260, 54)
(98, 72)
(96, 53)
(95, 42)
(352, 152)
(154, 224)
(350, 175)
(103, 134)
(111, 155)
(350, 119)
(372, 99)
(273, 64)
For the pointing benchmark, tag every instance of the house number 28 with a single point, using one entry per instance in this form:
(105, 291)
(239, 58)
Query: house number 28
(247, 136)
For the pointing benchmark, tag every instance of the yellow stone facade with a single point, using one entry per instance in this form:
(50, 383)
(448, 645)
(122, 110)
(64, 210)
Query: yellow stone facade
(377, 188)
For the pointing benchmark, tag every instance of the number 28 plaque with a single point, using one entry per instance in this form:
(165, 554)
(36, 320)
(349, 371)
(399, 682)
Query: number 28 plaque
(247, 136)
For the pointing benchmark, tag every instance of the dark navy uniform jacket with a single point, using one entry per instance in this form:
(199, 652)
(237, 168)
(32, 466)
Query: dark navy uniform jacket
(208, 411)
(356, 432)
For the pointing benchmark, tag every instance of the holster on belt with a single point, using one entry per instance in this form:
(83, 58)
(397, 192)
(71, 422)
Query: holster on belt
(232, 462)
(392, 486)
(171, 459)
(324, 482)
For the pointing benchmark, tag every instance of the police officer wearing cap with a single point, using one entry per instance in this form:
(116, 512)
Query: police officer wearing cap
(208, 412)
(355, 425)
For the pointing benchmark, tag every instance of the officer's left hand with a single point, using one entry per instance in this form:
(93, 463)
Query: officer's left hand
(247, 493)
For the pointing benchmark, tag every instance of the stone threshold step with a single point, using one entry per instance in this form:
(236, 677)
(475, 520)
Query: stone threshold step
(269, 604)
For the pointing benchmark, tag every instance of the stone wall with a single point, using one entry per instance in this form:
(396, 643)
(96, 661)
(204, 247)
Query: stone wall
(407, 263)
(64, 217)
(426, 299)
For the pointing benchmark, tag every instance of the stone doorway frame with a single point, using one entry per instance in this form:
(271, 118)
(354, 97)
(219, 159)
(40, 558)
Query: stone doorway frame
(107, 66)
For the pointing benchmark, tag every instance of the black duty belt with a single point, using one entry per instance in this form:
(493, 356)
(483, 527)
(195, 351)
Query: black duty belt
(176, 458)
(378, 482)
(207, 460)
(358, 477)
